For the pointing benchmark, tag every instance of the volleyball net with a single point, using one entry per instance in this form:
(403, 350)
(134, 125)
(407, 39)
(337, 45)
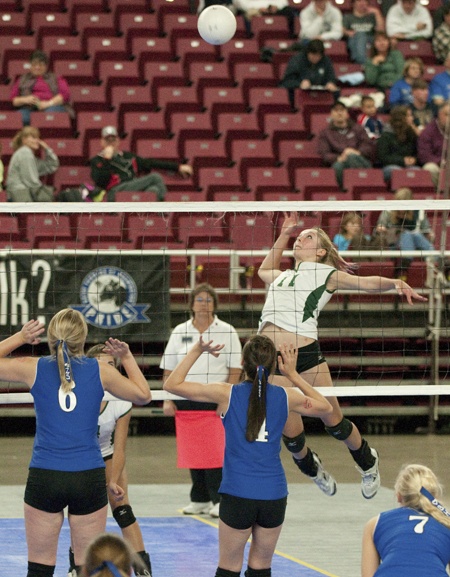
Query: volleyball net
(130, 267)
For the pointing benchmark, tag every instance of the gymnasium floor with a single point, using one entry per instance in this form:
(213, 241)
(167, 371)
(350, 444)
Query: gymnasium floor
(321, 535)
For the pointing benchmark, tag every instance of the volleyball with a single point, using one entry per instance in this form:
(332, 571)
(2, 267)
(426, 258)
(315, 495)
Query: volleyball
(216, 24)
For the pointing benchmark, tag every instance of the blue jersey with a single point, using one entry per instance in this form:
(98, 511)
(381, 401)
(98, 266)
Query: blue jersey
(66, 425)
(254, 470)
(411, 544)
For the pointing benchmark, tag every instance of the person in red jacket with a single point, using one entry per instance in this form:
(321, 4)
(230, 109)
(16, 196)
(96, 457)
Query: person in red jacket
(115, 170)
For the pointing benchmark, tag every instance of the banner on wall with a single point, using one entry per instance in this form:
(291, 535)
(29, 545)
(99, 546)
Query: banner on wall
(119, 295)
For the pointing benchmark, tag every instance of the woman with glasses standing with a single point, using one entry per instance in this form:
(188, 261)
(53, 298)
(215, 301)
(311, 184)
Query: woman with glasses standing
(199, 431)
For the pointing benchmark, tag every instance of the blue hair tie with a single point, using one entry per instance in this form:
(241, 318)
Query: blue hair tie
(107, 565)
(66, 359)
(260, 372)
(434, 501)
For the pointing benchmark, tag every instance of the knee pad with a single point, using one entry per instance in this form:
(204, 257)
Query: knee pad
(124, 516)
(40, 570)
(258, 572)
(295, 444)
(341, 431)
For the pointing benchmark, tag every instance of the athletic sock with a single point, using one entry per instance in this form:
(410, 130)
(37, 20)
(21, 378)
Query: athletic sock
(258, 572)
(363, 456)
(146, 561)
(40, 570)
(225, 573)
(307, 465)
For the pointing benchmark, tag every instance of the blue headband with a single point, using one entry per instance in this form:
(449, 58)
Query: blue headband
(260, 372)
(434, 501)
(107, 565)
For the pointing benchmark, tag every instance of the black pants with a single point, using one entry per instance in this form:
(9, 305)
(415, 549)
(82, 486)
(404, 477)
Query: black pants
(205, 485)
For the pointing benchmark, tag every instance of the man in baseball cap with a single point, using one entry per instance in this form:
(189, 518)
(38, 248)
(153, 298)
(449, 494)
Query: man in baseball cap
(116, 170)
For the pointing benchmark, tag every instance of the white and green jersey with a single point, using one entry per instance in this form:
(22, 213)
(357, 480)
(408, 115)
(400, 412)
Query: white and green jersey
(107, 420)
(295, 299)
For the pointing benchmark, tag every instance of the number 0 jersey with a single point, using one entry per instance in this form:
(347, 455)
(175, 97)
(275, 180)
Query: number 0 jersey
(254, 470)
(411, 544)
(295, 299)
(66, 425)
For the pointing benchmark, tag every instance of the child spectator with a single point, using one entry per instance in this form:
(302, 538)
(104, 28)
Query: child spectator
(351, 235)
(423, 112)
(401, 91)
(368, 118)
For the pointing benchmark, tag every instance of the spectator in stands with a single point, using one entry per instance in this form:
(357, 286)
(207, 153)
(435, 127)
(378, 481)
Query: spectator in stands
(401, 92)
(39, 90)
(409, 20)
(368, 118)
(253, 8)
(310, 68)
(414, 538)
(440, 84)
(351, 235)
(360, 26)
(320, 20)
(441, 36)
(200, 440)
(404, 230)
(423, 111)
(344, 144)
(23, 183)
(115, 170)
(431, 143)
(384, 65)
(397, 146)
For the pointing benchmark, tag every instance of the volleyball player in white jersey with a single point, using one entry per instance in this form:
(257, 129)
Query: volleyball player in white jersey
(293, 304)
(113, 424)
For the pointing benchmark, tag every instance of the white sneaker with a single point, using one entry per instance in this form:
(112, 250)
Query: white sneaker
(214, 512)
(323, 479)
(197, 508)
(371, 480)
(72, 573)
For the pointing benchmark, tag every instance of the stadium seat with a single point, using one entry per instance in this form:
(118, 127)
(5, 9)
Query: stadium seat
(13, 23)
(162, 73)
(240, 50)
(15, 68)
(319, 121)
(205, 152)
(186, 196)
(432, 70)
(267, 27)
(253, 74)
(233, 196)
(218, 179)
(53, 124)
(185, 125)
(313, 102)
(264, 101)
(161, 149)
(150, 49)
(135, 196)
(60, 47)
(46, 227)
(194, 49)
(237, 125)
(71, 177)
(177, 99)
(129, 99)
(42, 24)
(179, 24)
(336, 50)
(118, 72)
(5, 98)
(88, 98)
(312, 181)
(419, 181)
(252, 231)
(14, 47)
(222, 99)
(90, 124)
(96, 228)
(100, 48)
(252, 152)
(133, 21)
(284, 126)
(280, 59)
(278, 196)
(417, 49)
(144, 125)
(204, 75)
(263, 179)
(358, 181)
(92, 23)
(68, 150)
(297, 153)
(9, 228)
(195, 227)
(76, 71)
(10, 122)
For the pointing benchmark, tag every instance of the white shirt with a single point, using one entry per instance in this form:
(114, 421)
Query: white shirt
(399, 22)
(207, 369)
(327, 26)
(107, 424)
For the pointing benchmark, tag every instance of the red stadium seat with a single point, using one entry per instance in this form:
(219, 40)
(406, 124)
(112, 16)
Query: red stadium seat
(10, 122)
(269, 26)
(253, 152)
(134, 21)
(88, 98)
(319, 122)
(144, 227)
(240, 50)
(298, 154)
(13, 23)
(130, 99)
(186, 196)
(208, 74)
(14, 47)
(313, 102)
(195, 227)
(60, 47)
(76, 71)
(150, 49)
(96, 228)
(179, 24)
(162, 149)
(239, 124)
(9, 228)
(250, 74)
(194, 49)
(177, 98)
(222, 99)
(135, 196)
(68, 150)
(47, 227)
(163, 73)
(284, 126)
(100, 48)
(252, 231)
(419, 181)
(54, 23)
(312, 181)
(263, 179)
(71, 176)
(53, 124)
(184, 125)
(90, 124)
(118, 72)
(359, 181)
(233, 196)
(417, 49)
(336, 50)
(218, 179)
(144, 125)
(205, 152)
(268, 100)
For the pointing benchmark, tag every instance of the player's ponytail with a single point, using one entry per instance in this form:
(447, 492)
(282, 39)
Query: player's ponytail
(259, 356)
